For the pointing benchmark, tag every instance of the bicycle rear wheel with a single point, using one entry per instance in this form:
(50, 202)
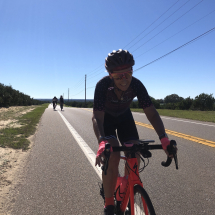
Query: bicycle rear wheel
(142, 202)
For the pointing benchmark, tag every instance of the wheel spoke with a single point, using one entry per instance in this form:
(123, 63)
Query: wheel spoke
(142, 202)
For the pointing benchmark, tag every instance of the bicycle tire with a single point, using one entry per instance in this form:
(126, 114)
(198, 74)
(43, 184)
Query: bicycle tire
(141, 196)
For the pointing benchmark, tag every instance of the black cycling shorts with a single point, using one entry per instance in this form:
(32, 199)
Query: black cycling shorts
(124, 125)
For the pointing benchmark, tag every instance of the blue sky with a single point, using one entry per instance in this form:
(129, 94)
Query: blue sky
(49, 46)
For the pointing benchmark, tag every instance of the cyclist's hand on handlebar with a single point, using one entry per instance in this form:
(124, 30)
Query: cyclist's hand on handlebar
(99, 159)
(165, 142)
(100, 153)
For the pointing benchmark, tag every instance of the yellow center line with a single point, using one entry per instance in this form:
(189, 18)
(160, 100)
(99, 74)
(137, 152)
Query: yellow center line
(177, 134)
(87, 109)
(181, 135)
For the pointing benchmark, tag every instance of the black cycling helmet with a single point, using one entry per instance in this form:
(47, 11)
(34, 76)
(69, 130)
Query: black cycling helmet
(117, 60)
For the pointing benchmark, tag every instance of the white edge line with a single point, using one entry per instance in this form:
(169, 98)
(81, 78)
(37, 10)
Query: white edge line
(84, 146)
(86, 149)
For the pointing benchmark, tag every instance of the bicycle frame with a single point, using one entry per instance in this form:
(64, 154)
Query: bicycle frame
(133, 178)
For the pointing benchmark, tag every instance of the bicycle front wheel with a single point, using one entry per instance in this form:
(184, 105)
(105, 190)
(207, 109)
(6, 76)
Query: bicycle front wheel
(142, 202)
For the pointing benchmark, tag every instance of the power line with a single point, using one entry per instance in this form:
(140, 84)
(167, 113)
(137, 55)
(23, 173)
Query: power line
(168, 25)
(151, 24)
(193, 40)
(94, 73)
(140, 33)
(89, 74)
(176, 34)
(83, 90)
(78, 93)
(101, 66)
(160, 23)
(78, 83)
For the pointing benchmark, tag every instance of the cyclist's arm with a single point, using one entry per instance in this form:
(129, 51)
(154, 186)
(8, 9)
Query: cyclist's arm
(154, 118)
(98, 120)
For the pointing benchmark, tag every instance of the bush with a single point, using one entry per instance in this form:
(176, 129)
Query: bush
(204, 102)
(173, 98)
(10, 97)
(185, 104)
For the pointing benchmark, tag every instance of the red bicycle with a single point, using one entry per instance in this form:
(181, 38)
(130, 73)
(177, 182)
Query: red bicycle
(133, 199)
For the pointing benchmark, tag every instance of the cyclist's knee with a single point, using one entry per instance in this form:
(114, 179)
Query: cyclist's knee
(114, 160)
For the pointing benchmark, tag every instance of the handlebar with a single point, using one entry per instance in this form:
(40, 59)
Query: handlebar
(172, 150)
(144, 148)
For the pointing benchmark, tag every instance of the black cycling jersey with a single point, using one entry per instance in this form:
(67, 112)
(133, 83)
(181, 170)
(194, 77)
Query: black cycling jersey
(106, 100)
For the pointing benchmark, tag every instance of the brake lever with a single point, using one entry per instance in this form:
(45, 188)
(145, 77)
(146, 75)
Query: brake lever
(107, 156)
(172, 149)
(176, 160)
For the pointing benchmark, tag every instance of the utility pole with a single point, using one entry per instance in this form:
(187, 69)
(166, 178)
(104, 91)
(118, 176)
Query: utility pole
(68, 94)
(85, 88)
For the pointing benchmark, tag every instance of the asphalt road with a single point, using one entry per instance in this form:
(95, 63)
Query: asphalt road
(59, 178)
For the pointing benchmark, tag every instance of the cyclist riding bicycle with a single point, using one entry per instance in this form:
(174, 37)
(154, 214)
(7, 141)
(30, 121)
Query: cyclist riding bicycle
(54, 101)
(113, 96)
(61, 102)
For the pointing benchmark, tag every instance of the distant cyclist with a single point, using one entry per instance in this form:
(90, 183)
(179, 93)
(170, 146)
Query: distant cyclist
(113, 96)
(54, 101)
(61, 102)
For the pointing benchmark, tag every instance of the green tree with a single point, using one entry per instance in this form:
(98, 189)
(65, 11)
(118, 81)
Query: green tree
(173, 98)
(155, 102)
(134, 104)
(185, 104)
(204, 102)
(10, 97)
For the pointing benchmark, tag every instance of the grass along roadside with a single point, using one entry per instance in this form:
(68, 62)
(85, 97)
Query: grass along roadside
(22, 123)
(206, 116)
(16, 136)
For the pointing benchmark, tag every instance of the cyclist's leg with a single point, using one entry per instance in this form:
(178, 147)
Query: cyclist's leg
(109, 180)
(127, 132)
(142, 202)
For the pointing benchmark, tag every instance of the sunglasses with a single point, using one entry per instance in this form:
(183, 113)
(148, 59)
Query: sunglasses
(121, 75)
